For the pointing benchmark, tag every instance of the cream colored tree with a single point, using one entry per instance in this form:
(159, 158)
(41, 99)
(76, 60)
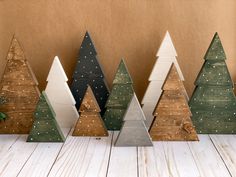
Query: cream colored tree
(60, 96)
(166, 56)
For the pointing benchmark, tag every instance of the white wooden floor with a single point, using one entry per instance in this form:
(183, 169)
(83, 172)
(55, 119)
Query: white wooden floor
(214, 155)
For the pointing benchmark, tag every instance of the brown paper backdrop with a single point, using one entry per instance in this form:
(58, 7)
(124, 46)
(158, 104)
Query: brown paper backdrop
(132, 29)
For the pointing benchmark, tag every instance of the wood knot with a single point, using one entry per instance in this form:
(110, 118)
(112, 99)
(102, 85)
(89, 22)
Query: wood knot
(187, 126)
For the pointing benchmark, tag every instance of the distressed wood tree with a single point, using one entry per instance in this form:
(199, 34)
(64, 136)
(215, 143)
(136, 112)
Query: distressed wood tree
(172, 116)
(90, 122)
(134, 131)
(19, 88)
(45, 127)
(213, 102)
(121, 95)
(60, 96)
(166, 56)
(88, 72)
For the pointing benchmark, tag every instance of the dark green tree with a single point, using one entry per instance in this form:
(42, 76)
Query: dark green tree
(120, 96)
(45, 127)
(213, 102)
(89, 72)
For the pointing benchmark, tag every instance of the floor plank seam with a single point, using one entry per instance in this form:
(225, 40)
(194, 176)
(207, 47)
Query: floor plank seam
(220, 155)
(108, 164)
(18, 137)
(137, 162)
(59, 153)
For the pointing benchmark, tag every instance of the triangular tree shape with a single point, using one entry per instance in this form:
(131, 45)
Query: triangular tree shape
(172, 116)
(60, 96)
(19, 89)
(45, 127)
(134, 131)
(121, 94)
(213, 102)
(90, 122)
(166, 56)
(88, 72)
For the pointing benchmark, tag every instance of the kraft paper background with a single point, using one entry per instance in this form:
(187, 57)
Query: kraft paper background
(132, 29)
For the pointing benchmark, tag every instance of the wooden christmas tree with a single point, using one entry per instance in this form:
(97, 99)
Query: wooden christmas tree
(172, 114)
(45, 127)
(19, 89)
(60, 96)
(166, 56)
(134, 131)
(88, 72)
(213, 102)
(121, 95)
(90, 122)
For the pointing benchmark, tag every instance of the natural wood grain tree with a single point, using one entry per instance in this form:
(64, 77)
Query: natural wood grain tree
(172, 116)
(213, 102)
(45, 127)
(119, 99)
(166, 55)
(89, 72)
(19, 88)
(90, 122)
(60, 96)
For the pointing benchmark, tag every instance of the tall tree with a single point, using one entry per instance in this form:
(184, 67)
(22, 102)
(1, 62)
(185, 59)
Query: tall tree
(19, 89)
(121, 95)
(88, 72)
(60, 96)
(90, 122)
(134, 131)
(172, 114)
(45, 127)
(213, 102)
(166, 56)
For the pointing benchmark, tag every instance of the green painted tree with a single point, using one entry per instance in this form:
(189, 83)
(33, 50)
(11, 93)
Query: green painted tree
(119, 99)
(45, 127)
(213, 102)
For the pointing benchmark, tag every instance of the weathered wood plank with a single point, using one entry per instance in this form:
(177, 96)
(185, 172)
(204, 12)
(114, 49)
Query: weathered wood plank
(83, 156)
(226, 146)
(123, 161)
(42, 159)
(209, 162)
(12, 161)
(152, 162)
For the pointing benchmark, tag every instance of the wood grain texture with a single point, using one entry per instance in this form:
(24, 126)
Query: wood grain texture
(172, 114)
(19, 88)
(90, 122)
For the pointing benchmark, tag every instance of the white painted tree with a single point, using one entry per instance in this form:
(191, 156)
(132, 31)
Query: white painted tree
(60, 96)
(166, 56)
(134, 131)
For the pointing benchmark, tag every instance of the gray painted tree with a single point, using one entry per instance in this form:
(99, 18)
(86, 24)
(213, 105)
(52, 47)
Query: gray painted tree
(213, 102)
(134, 131)
(45, 127)
(121, 94)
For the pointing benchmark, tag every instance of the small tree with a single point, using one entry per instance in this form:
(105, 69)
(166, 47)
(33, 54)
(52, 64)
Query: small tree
(213, 102)
(88, 72)
(172, 115)
(166, 56)
(45, 127)
(19, 88)
(60, 96)
(121, 94)
(90, 122)
(134, 131)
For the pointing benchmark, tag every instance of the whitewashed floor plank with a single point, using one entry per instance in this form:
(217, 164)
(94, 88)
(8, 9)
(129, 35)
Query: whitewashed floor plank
(179, 159)
(208, 160)
(151, 161)
(226, 146)
(123, 161)
(83, 156)
(42, 159)
(14, 159)
(6, 142)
